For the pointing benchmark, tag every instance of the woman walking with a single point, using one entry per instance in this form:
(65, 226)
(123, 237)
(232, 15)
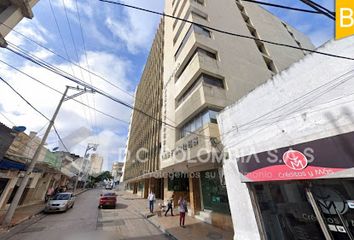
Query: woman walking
(182, 203)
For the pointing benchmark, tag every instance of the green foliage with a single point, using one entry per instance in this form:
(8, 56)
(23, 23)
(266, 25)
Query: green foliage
(101, 177)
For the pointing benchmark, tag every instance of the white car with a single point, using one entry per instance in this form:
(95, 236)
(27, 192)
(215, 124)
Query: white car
(60, 202)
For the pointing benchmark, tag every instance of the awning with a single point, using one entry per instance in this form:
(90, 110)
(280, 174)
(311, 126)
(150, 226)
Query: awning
(7, 164)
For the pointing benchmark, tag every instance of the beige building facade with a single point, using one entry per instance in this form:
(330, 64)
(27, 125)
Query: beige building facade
(144, 143)
(11, 13)
(96, 164)
(205, 71)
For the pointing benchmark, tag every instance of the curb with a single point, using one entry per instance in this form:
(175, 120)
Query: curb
(170, 235)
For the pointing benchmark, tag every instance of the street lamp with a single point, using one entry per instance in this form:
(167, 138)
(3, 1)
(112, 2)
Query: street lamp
(90, 146)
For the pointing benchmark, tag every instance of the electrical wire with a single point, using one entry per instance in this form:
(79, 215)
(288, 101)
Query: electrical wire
(87, 62)
(285, 114)
(57, 91)
(66, 75)
(87, 116)
(226, 32)
(68, 60)
(33, 107)
(13, 124)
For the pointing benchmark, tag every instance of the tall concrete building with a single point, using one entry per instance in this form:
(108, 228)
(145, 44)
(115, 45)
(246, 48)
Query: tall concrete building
(11, 13)
(144, 142)
(203, 72)
(96, 163)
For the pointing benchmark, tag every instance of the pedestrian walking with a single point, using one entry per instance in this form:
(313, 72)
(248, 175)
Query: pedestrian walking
(182, 205)
(49, 194)
(151, 199)
(169, 206)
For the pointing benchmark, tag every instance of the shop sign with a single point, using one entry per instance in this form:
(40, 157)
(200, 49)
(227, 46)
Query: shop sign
(331, 157)
(182, 148)
(350, 204)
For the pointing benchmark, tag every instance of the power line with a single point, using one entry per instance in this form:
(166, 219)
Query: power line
(226, 32)
(57, 91)
(33, 107)
(68, 60)
(283, 6)
(320, 9)
(60, 34)
(89, 117)
(13, 124)
(87, 62)
(24, 99)
(66, 75)
(286, 114)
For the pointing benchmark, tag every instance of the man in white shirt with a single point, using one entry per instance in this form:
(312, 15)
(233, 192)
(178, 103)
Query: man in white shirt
(151, 199)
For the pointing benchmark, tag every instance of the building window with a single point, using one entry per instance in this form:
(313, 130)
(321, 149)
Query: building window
(214, 193)
(199, 14)
(202, 31)
(178, 182)
(201, 2)
(205, 117)
(184, 41)
(203, 78)
(201, 51)
(198, 30)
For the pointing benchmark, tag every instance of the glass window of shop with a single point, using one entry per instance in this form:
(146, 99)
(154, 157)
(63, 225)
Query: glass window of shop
(178, 182)
(287, 213)
(213, 192)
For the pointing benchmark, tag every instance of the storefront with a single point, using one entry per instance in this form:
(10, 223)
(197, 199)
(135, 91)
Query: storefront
(214, 193)
(305, 191)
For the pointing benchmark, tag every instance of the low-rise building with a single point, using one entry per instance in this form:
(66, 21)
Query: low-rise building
(289, 166)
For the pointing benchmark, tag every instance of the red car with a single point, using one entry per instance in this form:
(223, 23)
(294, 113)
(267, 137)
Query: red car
(108, 199)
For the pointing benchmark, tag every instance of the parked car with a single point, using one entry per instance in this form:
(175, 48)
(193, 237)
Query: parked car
(60, 202)
(108, 199)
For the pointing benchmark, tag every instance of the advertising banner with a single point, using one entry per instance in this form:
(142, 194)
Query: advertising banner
(331, 157)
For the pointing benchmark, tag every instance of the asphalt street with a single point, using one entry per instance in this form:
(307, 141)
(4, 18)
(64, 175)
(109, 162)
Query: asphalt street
(85, 221)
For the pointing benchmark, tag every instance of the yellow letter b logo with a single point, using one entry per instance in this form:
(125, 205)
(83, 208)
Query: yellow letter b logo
(344, 18)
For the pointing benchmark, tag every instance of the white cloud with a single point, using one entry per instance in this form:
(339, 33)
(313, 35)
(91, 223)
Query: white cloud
(136, 29)
(72, 115)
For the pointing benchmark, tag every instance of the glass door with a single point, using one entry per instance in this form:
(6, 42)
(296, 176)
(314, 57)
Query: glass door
(335, 199)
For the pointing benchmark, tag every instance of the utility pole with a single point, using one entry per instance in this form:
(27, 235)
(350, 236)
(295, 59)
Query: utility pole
(10, 212)
(90, 146)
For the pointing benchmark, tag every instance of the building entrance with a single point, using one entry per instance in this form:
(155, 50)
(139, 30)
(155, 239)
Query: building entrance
(311, 210)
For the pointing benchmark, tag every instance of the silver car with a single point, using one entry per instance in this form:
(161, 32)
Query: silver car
(60, 202)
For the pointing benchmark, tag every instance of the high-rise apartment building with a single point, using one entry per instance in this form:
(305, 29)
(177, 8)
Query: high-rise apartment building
(96, 163)
(144, 143)
(11, 13)
(203, 72)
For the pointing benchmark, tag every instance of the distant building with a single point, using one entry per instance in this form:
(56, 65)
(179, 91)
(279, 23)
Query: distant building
(96, 164)
(11, 13)
(117, 171)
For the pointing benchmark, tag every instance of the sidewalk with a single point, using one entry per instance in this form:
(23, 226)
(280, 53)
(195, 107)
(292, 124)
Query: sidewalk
(195, 229)
(24, 213)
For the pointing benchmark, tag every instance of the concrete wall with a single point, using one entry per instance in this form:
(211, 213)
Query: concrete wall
(312, 99)
(239, 61)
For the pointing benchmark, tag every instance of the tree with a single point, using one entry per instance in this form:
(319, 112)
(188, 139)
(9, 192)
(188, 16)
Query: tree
(101, 177)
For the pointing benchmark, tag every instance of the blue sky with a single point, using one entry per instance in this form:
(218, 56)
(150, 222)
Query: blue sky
(117, 43)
